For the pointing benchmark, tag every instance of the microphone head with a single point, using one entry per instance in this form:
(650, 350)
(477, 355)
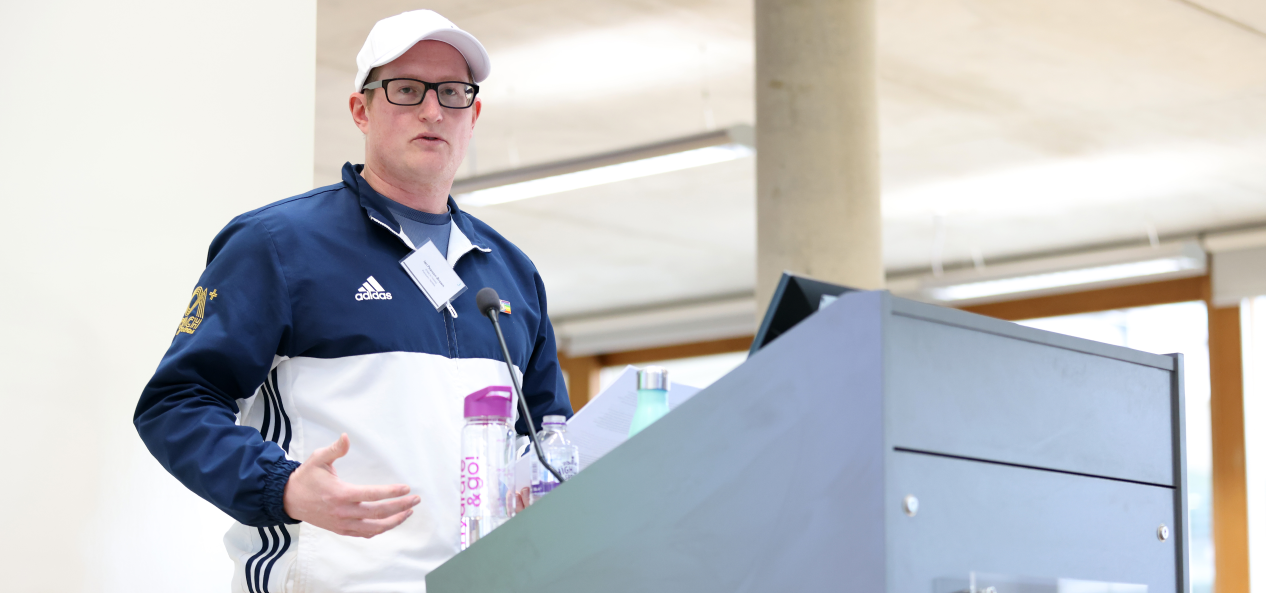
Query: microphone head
(487, 300)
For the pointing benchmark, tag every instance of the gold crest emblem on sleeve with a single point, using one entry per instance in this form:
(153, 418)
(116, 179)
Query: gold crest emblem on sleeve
(194, 312)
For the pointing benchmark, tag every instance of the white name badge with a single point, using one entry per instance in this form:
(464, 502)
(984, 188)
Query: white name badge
(431, 272)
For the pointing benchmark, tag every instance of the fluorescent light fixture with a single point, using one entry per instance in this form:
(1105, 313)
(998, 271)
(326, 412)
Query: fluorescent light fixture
(643, 161)
(608, 174)
(680, 323)
(1051, 275)
(987, 288)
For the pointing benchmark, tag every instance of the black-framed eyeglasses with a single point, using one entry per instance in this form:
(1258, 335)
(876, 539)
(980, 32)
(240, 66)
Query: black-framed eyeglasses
(452, 94)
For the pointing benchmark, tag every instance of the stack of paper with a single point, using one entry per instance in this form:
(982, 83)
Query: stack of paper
(604, 422)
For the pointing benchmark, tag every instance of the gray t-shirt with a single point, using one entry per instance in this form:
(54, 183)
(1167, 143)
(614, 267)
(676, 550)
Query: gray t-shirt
(421, 226)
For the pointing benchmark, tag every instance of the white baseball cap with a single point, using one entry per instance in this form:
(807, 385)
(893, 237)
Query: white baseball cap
(393, 36)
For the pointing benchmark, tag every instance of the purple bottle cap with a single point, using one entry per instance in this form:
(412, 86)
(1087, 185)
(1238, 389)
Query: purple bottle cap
(489, 401)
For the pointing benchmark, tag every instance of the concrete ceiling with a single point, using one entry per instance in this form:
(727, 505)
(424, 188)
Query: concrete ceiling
(1008, 127)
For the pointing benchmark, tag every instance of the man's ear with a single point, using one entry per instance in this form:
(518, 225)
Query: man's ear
(479, 105)
(360, 111)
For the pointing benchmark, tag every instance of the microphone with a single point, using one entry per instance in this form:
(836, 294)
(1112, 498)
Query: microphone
(489, 303)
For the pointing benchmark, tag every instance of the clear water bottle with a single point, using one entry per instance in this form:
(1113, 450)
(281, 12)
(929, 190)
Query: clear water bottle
(487, 487)
(559, 452)
(652, 398)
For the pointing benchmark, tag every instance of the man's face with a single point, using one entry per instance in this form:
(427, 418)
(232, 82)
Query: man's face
(419, 144)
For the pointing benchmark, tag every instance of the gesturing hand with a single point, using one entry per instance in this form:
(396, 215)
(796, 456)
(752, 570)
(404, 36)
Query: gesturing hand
(522, 499)
(316, 495)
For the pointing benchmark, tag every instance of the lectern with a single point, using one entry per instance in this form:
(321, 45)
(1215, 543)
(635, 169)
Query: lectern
(882, 445)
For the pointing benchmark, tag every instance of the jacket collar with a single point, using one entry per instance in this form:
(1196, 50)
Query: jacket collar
(460, 241)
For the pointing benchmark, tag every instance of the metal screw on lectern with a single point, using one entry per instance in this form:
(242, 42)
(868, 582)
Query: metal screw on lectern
(910, 505)
(1162, 533)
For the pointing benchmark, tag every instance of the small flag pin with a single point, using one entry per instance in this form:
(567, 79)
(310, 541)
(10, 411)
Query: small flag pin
(505, 307)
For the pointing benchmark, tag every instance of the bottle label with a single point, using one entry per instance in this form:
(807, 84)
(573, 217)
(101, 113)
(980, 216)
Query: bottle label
(542, 488)
(543, 481)
(472, 481)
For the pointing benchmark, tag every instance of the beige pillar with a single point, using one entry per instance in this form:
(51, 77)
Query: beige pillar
(817, 144)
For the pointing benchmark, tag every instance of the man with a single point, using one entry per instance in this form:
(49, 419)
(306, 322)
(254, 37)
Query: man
(306, 339)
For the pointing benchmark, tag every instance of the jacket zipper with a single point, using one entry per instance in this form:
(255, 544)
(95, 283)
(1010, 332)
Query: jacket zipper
(407, 242)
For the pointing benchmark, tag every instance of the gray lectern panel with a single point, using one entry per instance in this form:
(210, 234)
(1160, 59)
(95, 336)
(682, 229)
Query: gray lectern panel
(771, 479)
(1022, 522)
(978, 394)
(783, 475)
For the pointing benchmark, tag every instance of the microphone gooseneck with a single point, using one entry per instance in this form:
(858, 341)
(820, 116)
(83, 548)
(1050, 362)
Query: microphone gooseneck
(489, 303)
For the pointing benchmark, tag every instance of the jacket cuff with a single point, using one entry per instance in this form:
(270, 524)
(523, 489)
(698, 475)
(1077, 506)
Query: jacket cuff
(275, 490)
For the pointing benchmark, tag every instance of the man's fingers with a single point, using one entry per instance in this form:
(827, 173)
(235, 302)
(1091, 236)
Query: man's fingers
(328, 454)
(522, 499)
(371, 527)
(385, 508)
(371, 493)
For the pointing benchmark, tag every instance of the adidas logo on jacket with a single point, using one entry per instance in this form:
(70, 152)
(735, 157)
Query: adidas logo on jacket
(372, 290)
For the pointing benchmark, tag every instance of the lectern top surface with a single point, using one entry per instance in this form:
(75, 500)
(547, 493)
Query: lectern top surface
(976, 322)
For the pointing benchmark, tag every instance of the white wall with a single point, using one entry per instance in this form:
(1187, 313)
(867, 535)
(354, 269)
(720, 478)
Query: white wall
(131, 131)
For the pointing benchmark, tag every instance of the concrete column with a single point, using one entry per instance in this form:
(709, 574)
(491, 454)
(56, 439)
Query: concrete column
(817, 144)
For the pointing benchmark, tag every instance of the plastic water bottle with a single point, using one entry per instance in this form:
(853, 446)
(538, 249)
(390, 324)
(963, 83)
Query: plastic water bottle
(559, 452)
(652, 398)
(487, 487)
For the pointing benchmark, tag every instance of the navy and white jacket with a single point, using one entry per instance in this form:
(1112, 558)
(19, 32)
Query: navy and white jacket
(303, 326)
